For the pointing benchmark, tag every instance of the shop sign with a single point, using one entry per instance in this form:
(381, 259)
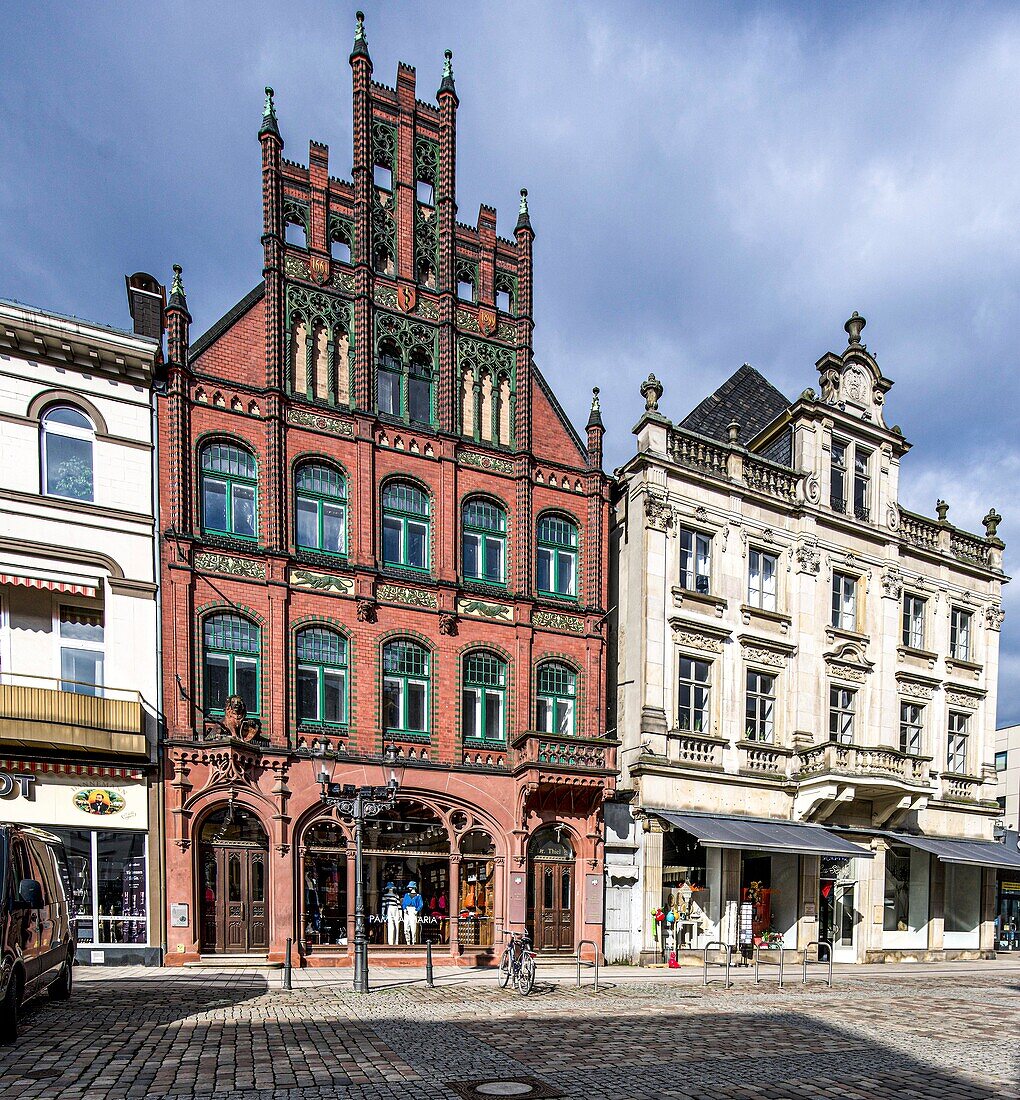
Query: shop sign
(100, 801)
(17, 785)
(1011, 887)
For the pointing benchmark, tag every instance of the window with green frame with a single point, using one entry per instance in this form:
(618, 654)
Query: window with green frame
(231, 647)
(483, 698)
(229, 483)
(556, 574)
(321, 509)
(419, 388)
(405, 526)
(483, 541)
(389, 372)
(555, 698)
(406, 680)
(321, 677)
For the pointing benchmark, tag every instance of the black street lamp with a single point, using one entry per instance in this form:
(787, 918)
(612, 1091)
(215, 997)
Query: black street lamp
(358, 804)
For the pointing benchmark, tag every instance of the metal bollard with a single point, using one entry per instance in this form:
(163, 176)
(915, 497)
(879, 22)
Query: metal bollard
(286, 967)
(429, 979)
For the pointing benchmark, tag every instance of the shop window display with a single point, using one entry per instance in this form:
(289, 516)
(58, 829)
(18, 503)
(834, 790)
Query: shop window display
(324, 885)
(682, 919)
(477, 890)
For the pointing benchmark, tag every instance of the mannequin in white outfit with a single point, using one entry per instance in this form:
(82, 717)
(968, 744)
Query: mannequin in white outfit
(391, 913)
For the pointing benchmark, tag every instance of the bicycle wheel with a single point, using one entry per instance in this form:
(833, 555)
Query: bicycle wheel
(526, 975)
(506, 966)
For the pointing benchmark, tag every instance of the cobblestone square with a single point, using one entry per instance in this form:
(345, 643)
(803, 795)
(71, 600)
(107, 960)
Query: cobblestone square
(947, 1032)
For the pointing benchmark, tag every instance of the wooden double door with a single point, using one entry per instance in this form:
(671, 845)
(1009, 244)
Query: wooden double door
(234, 884)
(551, 906)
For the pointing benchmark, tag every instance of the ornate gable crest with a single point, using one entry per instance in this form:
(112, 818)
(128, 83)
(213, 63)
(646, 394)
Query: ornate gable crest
(847, 661)
(854, 378)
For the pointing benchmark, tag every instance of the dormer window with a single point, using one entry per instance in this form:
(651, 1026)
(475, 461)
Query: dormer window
(838, 484)
(382, 176)
(850, 480)
(426, 193)
(862, 484)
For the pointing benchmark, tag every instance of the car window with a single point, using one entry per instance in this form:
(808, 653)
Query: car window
(19, 865)
(41, 871)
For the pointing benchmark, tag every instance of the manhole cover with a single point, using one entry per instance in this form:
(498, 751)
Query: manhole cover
(530, 1087)
(505, 1088)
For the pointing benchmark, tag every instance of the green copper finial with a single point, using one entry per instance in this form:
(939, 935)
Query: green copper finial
(447, 85)
(448, 63)
(269, 125)
(595, 416)
(269, 111)
(523, 219)
(359, 30)
(177, 298)
(178, 285)
(524, 200)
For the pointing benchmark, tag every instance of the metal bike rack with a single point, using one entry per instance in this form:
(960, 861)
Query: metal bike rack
(828, 948)
(725, 963)
(758, 948)
(595, 947)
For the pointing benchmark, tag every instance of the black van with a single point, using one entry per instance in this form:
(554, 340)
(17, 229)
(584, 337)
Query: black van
(36, 936)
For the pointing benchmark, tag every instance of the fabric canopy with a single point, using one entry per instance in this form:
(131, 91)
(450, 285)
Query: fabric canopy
(762, 834)
(73, 587)
(977, 853)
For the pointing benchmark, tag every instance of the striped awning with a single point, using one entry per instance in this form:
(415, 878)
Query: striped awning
(71, 587)
(52, 767)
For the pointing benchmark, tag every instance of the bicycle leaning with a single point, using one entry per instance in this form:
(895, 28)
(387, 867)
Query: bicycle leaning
(518, 964)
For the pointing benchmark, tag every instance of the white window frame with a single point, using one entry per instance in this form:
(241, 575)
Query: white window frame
(848, 475)
(958, 726)
(699, 557)
(912, 727)
(77, 644)
(69, 431)
(761, 594)
(838, 613)
(842, 736)
(96, 917)
(695, 684)
(764, 718)
(914, 613)
(961, 616)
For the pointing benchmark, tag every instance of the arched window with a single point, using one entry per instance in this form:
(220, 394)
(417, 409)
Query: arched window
(321, 509)
(405, 524)
(67, 444)
(419, 388)
(557, 556)
(387, 380)
(229, 479)
(555, 698)
(230, 653)
(483, 697)
(321, 677)
(406, 678)
(483, 542)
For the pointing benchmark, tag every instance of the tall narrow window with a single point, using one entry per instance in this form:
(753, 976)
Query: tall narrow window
(81, 650)
(844, 601)
(842, 714)
(761, 579)
(387, 383)
(465, 288)
(321, 509)
(419, 389)
(693, 695)
(382, 177)
(862, 484)
(959, 634)
(956, 754)
(838, 479)
(483, 543)
(483, 698)
(695, 561)
(913, 621)
(405, 526)
(425, 192)
(760, 707)
(405, 687)
(556, 572)
(321, 677)
(911, 727)
(67, 448)
(231, 648)
(555, 698)
(229, 477)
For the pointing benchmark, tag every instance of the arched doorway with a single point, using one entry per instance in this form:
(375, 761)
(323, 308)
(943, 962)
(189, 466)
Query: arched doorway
(323, 870)
(233, 857)
(477, 889)
(551, 890)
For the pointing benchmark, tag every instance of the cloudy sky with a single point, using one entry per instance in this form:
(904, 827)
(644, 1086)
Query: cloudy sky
(710, 185)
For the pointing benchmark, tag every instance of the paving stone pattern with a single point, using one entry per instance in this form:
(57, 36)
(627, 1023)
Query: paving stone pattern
(221, 1036)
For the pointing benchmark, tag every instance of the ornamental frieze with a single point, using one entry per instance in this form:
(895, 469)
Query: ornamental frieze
(846, 672)
(331, 425)
(484, 609)
(230, 565)
(553, 620)
(915, 689)
(415, 597)
(759, 655)
(689, 635)
(962, 699)
(808, 559)
(486, 462)
(321, 582)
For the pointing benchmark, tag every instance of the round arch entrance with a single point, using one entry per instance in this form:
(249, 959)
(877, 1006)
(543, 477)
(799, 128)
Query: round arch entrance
(551, 890)
(233, 861)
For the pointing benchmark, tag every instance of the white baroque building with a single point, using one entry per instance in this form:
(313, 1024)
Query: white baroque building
(805, 680)
(79, 655)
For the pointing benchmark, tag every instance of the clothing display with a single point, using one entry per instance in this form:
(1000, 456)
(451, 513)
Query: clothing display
(391, 913)
(412, 905)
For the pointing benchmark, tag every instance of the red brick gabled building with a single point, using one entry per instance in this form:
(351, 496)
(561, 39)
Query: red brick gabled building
(379, 528)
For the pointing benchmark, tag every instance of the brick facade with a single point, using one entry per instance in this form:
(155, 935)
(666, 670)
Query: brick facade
(291, 375)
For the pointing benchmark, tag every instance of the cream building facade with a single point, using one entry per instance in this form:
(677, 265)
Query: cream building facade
(79, 658)
(805, 684)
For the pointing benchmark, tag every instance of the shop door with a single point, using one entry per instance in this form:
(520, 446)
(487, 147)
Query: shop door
(234, 900)
(838, 919)
(552, 917)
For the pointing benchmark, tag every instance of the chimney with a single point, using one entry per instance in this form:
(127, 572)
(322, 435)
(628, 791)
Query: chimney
(146, 301)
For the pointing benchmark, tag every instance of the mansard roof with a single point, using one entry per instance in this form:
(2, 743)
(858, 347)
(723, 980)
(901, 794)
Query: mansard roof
(748, 397)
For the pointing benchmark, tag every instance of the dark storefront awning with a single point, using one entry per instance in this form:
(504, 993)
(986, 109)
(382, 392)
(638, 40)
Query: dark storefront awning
(760, 834)
(977, 853)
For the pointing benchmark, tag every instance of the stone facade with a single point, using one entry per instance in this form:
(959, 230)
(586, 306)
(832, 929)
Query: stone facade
(791, 644)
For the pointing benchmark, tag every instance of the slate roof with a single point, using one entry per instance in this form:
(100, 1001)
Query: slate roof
(746, 396)
(216, 330)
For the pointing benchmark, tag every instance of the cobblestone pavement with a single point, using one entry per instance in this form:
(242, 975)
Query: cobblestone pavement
(901, 1033)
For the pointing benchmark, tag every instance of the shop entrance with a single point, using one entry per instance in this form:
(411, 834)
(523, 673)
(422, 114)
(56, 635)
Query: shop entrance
(551, 891)
(838, 917)
(234, 870)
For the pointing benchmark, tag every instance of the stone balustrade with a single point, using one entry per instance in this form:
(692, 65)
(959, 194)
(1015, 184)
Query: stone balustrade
(919, 531)
(698, 452)
(969, 548)
(763, 759)
(863, 761)
(961, 788)
(552, 750)
(694, 750)
(770, 478)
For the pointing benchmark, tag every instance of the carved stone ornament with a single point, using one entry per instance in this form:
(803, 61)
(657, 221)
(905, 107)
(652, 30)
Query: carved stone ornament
(812, 488)
(486, 462)
(991, 522)
(697, 640)
(915, 689)
(848, 662)
(658, 512)
(447, 623)
(892, 584)
(994, 616)
(484, 609)
(319, 268)
(855, 386)
(760, 656)
(808, 559)
(701, 514)
(846, 672)
(232, 566)
(962, 699)
(554, 620)
(415, 597)
(651, 391)
(321, 582)
(892, 517)
(367, 610)
(331, 425)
